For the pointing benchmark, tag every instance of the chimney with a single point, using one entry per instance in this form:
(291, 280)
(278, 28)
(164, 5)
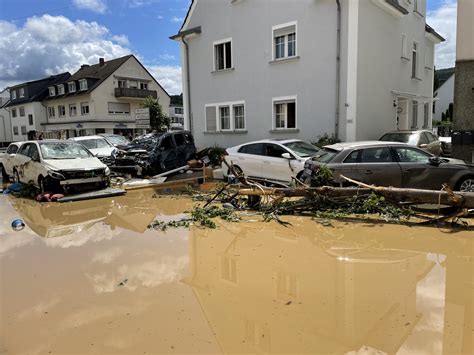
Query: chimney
(101, 62)
(84, 66)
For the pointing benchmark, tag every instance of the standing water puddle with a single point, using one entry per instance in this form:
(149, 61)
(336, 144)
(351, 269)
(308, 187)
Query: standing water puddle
(88, 277)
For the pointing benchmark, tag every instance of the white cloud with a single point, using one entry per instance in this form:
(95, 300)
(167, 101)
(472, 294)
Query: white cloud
(444, 20)
(121, 39)
(98, 6)
(53, 44)
(177, 19)
(160, 17)
(169, 76)
(167, 56)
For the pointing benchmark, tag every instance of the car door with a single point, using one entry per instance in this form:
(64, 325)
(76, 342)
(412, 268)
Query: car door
(275, 167)
(35, 168)
(168, 154)
(180, 149)
(20, 162)
(376, 166)
(9, 158)
(417, 170)
(434, 145)
(250, 159)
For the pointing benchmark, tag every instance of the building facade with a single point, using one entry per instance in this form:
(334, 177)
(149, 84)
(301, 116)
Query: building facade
(463, 124)
(6, 136)
(354, 69)
(444, 97)
(176, 114)
(102, 98)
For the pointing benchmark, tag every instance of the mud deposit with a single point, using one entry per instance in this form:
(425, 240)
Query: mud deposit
(88, 277)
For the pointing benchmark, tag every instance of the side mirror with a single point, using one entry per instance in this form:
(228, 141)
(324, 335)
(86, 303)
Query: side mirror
(435, 161)
(286, 156)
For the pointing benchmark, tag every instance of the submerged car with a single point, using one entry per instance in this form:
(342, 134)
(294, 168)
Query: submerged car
(7, 160)
(156, 153)
(422, 139)
(98, 146)
(271, 159)
(59, 166)
(391, 164)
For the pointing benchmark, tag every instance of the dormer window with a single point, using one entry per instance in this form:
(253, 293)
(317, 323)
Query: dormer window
(61, 89)
(52, 91)
(22, 92)
(13, 94)
(82, 84)
(71, 87)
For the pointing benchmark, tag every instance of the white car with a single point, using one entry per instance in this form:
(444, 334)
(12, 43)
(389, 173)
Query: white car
(98, 146)
(271, 159)
(7, 160)
(57, 166)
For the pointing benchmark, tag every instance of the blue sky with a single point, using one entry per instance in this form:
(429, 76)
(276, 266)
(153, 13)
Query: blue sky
(39, 37)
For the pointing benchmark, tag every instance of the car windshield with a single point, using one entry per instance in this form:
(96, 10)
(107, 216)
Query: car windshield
(62, 150)
(325, 155)
(303, 149)
(409, 138)
(94, 143)
(118, 140)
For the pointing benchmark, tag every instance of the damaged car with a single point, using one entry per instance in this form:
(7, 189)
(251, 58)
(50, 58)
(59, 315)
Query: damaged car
(7, 160)
(155, 153)
(98, 146)
(59, 166)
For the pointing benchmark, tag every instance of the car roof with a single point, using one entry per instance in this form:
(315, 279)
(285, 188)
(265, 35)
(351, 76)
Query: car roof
(85, 138)
(365, 144)
(271, 140)
(408, 131)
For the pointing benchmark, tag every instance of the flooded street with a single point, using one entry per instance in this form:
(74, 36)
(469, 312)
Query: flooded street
(88, 277)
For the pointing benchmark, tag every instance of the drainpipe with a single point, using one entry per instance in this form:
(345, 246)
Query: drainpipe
(338, 68)
(188, 85)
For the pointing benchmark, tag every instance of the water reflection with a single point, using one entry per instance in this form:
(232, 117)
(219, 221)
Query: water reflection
(274, 289)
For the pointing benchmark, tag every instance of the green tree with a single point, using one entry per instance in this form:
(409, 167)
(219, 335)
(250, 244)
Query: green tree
(159, 121)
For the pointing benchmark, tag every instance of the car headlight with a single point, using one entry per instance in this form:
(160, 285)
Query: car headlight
(107, 171)
(56, 175)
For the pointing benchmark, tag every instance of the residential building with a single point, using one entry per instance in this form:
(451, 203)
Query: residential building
(444, 96)
(264, 69)
(6, 136)
(463, 139)
(26, 109)
(176, 114)
(102, 98)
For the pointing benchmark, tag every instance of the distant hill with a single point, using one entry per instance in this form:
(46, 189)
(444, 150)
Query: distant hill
(442, 75)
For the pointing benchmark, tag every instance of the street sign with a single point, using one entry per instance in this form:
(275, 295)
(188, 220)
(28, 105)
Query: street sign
(142, 118)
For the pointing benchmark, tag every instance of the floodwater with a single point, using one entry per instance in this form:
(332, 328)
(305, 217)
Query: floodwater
(88, 277)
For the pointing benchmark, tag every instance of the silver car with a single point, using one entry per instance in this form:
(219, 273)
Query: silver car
(392, 164)
(422, 139)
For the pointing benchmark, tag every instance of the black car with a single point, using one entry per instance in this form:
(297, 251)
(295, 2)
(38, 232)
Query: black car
(156, 153)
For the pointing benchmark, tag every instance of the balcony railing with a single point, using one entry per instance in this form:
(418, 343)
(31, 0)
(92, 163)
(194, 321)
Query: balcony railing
(138, 93)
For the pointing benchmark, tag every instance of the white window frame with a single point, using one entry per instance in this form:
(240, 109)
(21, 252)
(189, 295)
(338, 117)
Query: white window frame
(73, 85)
(405, 46)
(222, 41)
(21, 92)
(51, 111)
(52, 91)
(61, 89)
(14, 113)
(417, 61)
(88, 108)
(279, 27)
(220, 118)
(428, 57)
(282, 100)
(20, 109)
(70, 111)
(13, 94)
(15, 131)
(82, 85)
(59, 111)
(232, 118)
(414, 114)
(145, 85)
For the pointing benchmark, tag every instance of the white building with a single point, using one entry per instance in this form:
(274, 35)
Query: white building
(6, 136)
(444, 96)
(299, 69)
(176, 114)
(102, 98)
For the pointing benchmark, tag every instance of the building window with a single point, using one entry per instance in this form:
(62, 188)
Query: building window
(61, 89)
(414, 61)
(428, 58)
(22, 111)
(178, 110)
(119, 108)
(133, 84)
(122, 83)
(13, 112)
(227, 116)
(414, 107)
(52, 91)
(82, 84)
(405, 47)
(61, 110)
(30, 120)
(284, 113)
(144, 86)
(223, 55)
(84, 108)
(13, 94)
(239, 117)
(15, 130)
(72, 110)
(71, 87)
(284, 41)
(51, 111)
(23, 130)
(426, 116)
(22, 92)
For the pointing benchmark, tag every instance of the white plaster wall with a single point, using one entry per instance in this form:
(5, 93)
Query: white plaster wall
(32, 108)
(465, 30)
(444, 96)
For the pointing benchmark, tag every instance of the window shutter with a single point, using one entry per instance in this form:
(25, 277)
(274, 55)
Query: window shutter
(284, 31)
(211, 122)
(118, 107)
(404, 46)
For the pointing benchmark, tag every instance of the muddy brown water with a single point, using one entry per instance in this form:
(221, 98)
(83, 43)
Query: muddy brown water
(88, 277)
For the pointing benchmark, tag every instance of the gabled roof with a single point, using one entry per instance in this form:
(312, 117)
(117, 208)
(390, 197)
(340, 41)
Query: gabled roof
(432, 31)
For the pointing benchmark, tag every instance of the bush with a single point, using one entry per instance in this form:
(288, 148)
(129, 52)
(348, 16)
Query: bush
(325, 139)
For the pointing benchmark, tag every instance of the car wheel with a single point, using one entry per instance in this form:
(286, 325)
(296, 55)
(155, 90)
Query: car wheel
(16, 176)
(42, 184)
(466, 184)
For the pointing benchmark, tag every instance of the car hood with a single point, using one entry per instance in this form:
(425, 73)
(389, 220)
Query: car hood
(458, 162)
(102, 152)
(75, 164)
